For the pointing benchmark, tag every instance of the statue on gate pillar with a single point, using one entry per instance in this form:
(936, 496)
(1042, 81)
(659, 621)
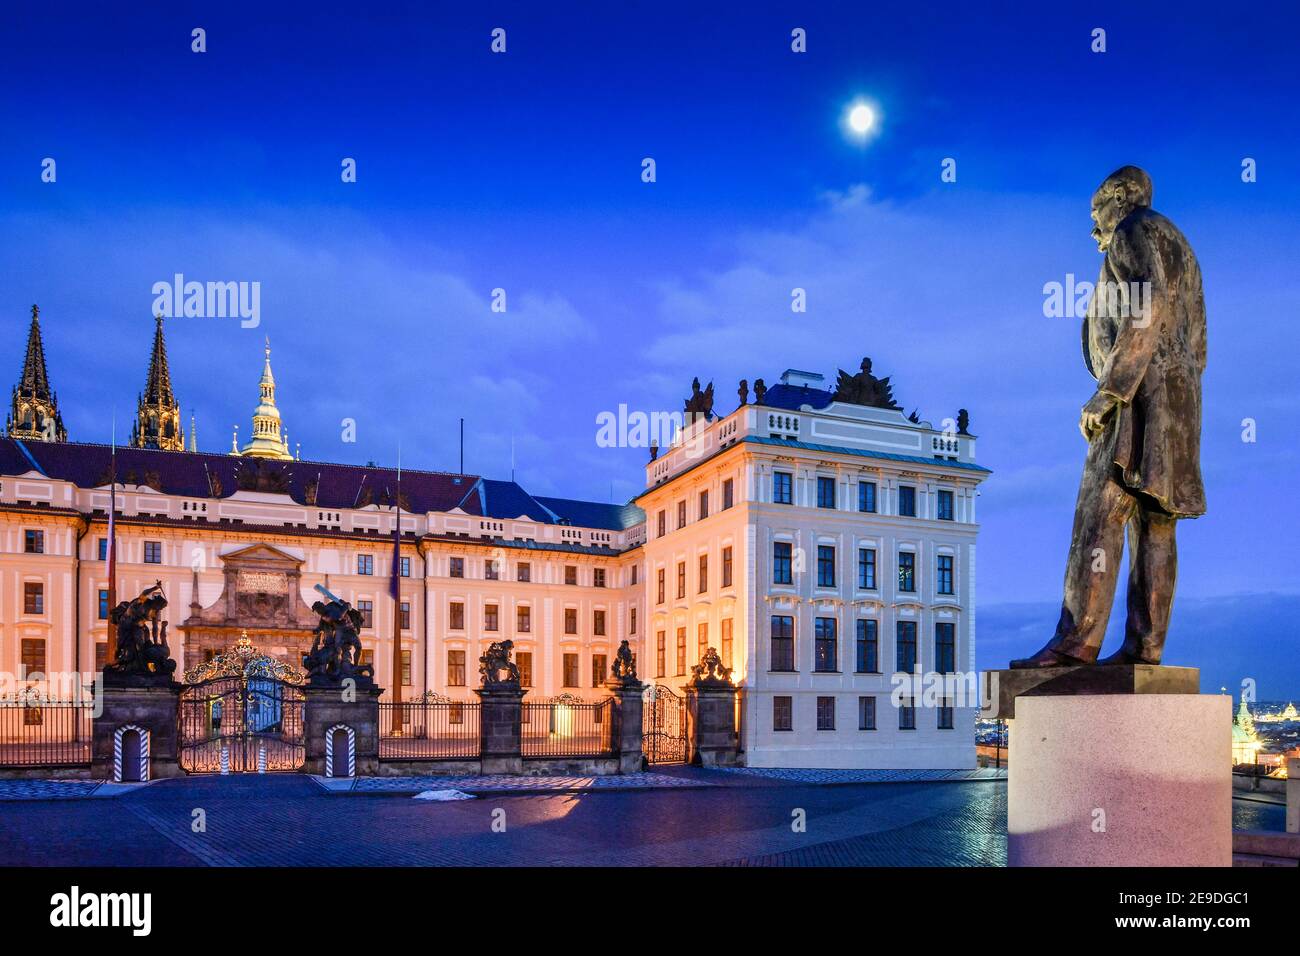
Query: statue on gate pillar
(143, 655)
(335, 654)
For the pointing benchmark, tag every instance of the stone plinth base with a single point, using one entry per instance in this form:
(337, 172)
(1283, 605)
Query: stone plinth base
(152, 710)
(627, 696)
(1120, 780)
(1001, 688)
(711, 726)
(500, 728)
(324, 709)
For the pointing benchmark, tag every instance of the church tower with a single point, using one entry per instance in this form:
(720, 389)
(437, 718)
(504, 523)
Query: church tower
(34, 409)
(267, 441)
(158, 414)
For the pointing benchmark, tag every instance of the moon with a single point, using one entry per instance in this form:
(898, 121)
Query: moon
(862, 118)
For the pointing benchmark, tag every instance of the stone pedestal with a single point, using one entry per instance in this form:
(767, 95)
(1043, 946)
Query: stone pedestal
(1001, 689)
(627, 728)
(324, 710)
(153, 710)
(1120, 780)
(500, 729)
(711, 725)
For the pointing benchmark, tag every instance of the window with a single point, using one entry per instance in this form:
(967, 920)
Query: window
(825, 713)
(490, 619)
(365, 562)
(661, 653)
(663, 523)
(570, 620)
(525, 661)
(906, 571)
(404, 613)
(632, 621)
(906, 647)
(571, 574)
(523, 619)
(704, 505)
(457, 616)
(945, 506)
(782, 488)
(101, 654)
(868, 657)
(704, 573)
(570, 670)
(103, 604)
(907, 501)
(33, 597)
(681, 513)
(826, 651)
(727, 649)
(597, 670)
(456, 668)
(457, 568)
(34, 541)
(492, 569)
(728, 494)
(702, 633)
(782, 552)
(681, 652)
(782, 642)
(944, 576)
(907, 714)
(406, 668)
(945, 647)
(404, 568)
(598, 577)
(825, 492)
(523, 571)
(598, 623)
(153, 552)
(825, 566)
(635, 569)
(867, 496)
(946, 715)
(681, 579)
(866, 713)
(103, 549)
(867, 569)
(661, 587)
(367, 609)
(726, 567)
(33, 651)
(783, 713)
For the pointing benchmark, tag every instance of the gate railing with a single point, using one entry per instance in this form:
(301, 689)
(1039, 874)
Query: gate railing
(241, 725)
(567, 728)
(432, 730)
(45, 734)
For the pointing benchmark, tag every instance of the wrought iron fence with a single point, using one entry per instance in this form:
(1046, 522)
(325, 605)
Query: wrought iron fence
(567, 727)
(45, 734)
(440, 729)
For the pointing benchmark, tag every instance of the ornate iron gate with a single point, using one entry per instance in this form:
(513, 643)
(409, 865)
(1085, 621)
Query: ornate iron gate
(663, 726)
(241, 713)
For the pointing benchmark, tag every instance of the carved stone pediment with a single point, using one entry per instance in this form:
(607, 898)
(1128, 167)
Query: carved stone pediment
(262, 591)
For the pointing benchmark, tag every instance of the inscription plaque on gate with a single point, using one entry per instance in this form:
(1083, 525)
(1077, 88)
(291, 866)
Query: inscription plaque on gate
(262, 582)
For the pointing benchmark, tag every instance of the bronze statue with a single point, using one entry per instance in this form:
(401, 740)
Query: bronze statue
(624, 666)
(335, 654)
(700, 404)
(864, 388)
(710, 671)
(1143, 428)
(142, 651)
(760, 391)
(496, 659)
(742, 390)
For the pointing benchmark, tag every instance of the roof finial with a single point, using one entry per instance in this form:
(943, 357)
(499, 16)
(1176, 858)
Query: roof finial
(194, 433)
(234, 442)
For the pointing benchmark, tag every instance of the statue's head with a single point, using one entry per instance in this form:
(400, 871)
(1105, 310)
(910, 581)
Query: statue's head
(1124, 190)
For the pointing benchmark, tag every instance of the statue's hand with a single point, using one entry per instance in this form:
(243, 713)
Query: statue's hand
(1094, 414)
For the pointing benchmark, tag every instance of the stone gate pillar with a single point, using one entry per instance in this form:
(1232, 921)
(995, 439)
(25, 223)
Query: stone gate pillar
(500, 728)
(138, 723)
(330, 721)
(626, 698)
(711, 714)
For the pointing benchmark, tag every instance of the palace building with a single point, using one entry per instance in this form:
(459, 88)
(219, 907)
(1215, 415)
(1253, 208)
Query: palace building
(819, 538)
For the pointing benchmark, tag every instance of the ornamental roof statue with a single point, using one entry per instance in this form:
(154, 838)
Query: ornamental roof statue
(865, 389)
(700, 403)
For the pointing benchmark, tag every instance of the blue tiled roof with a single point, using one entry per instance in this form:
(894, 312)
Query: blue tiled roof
(506, 499)
(887, 456)
(595, 514)
(794, 397)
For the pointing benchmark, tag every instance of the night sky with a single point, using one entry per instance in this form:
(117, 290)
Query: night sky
(522, 171)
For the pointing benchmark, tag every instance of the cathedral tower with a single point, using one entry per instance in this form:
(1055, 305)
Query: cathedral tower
(158, 414)
(34, 410)
(267, 441)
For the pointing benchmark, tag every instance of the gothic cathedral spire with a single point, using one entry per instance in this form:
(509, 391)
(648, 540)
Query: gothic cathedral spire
(34, 409)
(158, 416)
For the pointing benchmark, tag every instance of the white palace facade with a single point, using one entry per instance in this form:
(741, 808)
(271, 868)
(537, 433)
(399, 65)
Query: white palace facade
(820, 539)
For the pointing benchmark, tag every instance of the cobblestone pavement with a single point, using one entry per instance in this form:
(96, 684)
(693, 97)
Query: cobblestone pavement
(276, 820)
(46, 789)
(506, 783)
(868, 776)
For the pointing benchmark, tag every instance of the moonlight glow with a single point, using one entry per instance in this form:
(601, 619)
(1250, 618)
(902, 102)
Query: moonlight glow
(861, 120)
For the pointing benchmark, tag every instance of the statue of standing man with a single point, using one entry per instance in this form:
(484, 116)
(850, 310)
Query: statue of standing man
(1144, 343)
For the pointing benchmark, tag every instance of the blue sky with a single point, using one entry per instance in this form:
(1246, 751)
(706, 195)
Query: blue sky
(522, 171)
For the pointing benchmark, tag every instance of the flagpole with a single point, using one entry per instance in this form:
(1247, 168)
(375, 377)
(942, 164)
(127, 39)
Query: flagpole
(396, 590)
(111, 654)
